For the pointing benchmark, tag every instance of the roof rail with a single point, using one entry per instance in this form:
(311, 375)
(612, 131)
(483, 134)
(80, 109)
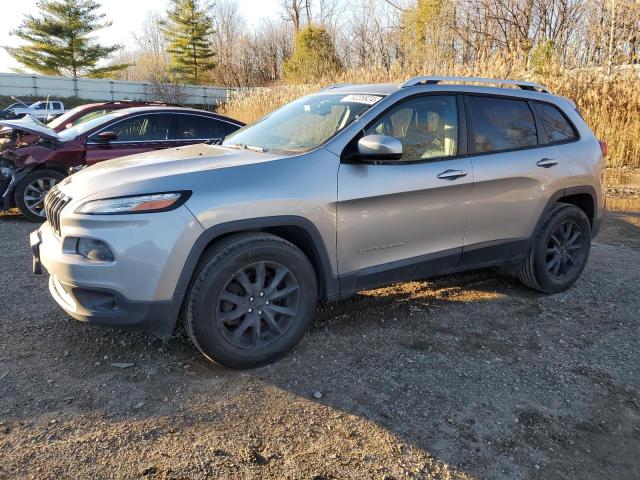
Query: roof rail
(426, 80)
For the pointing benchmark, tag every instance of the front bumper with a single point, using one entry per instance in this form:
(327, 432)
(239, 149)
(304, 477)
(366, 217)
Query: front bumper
(111, 309)
(138, 289)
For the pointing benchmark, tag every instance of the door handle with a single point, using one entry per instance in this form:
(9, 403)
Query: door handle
(452, 174)
(546, 162)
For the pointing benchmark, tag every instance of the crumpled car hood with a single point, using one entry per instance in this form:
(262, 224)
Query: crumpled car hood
(31, 125)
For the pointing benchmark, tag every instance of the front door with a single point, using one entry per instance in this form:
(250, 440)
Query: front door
(136, 134)
(405, 219)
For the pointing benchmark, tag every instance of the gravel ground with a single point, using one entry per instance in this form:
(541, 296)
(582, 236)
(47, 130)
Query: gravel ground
(470, 376)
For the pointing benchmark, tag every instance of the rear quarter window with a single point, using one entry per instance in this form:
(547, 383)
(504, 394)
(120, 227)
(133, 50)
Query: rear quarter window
(555, 123)
(501, 124)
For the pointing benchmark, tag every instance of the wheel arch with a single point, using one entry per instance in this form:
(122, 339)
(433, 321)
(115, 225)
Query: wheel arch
(584, 197)
(51, 166)
(297, 230)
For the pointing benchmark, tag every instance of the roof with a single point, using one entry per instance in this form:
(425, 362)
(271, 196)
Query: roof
(460, 84)
(372, 88)
(163, 108)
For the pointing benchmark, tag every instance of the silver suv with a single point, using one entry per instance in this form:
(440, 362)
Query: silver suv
(354, 187)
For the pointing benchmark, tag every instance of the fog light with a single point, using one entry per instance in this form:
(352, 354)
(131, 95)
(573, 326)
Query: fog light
(94, 250)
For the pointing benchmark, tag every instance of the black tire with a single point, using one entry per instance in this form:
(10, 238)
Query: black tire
(557, 258)
(225, 296)
(42, 181)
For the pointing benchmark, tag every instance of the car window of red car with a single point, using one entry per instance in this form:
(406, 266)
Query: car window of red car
(64, 118)
(90, 116)
(198, 127)
(150, 127)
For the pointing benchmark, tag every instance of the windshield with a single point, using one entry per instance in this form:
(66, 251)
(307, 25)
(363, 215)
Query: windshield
(304, 124)
(73, 132)
(64, 118)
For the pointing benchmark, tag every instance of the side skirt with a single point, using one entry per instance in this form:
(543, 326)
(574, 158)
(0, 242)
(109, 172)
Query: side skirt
(483, 255)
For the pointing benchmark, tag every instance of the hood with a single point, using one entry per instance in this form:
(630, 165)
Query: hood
(145, 168)
(29, 124)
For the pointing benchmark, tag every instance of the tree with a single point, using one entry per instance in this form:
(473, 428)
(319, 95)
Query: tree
(542, 56)
(188, 30)
(59, 41)
(314, 56)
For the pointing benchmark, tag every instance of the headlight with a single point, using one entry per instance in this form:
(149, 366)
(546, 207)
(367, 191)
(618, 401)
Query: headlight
(154, 202)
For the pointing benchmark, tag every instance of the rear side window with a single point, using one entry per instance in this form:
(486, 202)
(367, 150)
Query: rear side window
(502, 124)
(556, 125)
(196, 127)
(230, 127)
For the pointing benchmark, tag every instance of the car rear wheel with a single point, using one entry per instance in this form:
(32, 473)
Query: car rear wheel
(560, 250)
(252, 299)
(30, 193)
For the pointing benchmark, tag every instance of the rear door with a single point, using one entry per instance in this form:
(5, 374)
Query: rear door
(515, 172)
(135, 134)
(406, 218)
(193, 128)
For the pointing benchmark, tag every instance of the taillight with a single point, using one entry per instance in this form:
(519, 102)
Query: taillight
(603, 147)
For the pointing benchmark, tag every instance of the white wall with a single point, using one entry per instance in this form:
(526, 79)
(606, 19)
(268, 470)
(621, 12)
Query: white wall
(24, 85)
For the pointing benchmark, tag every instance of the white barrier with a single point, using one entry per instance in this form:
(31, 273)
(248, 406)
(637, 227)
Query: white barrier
(41, 86)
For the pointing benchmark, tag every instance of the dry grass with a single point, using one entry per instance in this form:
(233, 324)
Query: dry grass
(610, 106)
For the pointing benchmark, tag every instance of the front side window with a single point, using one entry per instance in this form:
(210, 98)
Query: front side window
(426, 126)
(304, 124)
(502, 124)
(556, 125)
(142, 128)
(196, 127)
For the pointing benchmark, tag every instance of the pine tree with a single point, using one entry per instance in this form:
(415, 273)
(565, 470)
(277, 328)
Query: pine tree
(314, 56)
(188, 30)
(59, 42)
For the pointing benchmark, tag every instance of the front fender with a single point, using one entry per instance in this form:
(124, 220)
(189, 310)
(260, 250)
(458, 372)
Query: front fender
(211, 235)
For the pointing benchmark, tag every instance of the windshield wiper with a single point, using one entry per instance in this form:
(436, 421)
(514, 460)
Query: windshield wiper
(244, 146)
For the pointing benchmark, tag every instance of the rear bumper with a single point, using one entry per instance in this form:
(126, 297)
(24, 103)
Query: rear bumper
(111, 309)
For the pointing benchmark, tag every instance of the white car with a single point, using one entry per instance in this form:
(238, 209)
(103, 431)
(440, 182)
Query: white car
(44, 111)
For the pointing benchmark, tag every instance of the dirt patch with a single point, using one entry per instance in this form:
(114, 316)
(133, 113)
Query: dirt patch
(469, 376)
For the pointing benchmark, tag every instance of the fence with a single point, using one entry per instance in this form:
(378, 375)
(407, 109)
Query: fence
(41, 86)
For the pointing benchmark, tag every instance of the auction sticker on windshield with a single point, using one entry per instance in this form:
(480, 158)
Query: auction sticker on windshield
(360, 98)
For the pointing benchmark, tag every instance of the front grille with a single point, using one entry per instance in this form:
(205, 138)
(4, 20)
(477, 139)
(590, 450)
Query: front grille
(54, 202)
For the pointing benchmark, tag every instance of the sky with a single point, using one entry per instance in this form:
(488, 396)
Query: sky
(126, 15)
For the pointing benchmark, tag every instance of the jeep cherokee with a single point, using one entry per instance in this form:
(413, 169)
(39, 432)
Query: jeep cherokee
(354, 187)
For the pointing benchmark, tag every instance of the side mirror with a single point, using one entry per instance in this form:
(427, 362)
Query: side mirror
(380, 147)
(107, 136)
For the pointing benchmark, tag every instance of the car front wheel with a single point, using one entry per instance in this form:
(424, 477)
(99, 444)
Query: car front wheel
(30, 193)
(252, 299)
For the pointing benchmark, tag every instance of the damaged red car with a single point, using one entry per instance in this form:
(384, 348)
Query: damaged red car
(28, 171)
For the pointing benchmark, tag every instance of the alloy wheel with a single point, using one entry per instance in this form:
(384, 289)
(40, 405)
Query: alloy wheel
(258, 304)
(35, 192)
(565, 251)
